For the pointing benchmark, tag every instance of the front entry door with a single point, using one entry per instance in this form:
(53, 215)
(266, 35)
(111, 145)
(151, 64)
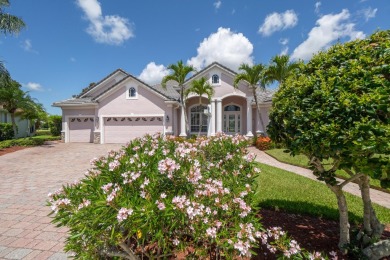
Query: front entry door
(232, 123)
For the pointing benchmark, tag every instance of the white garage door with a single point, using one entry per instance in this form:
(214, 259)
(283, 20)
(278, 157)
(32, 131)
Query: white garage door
(81, 130)
(124, 129)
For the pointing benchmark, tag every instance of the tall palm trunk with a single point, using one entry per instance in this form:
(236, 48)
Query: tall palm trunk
(200, 117)
(258, 111)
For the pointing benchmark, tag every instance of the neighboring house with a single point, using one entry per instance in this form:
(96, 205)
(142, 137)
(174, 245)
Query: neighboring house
(121, 107)
(23, 125)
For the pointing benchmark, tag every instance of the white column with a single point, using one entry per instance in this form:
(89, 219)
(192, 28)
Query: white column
(182, 124)
(212, 118)
(249, 116)
(219, 115)
(101, 125)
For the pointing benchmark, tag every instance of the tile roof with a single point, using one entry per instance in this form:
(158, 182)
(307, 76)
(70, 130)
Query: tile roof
(75, 101)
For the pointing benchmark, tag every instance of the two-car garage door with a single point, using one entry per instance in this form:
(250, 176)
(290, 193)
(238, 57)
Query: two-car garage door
(123, 129)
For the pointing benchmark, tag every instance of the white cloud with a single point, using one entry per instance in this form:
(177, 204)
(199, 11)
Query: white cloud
(27, 46)
(217, 4)
(283, 41)
(368, 13)
(284, 51)
(33, 86)
(109, 29)
(224, 46)
(278, 21)
(317, 9)
(153, 73)
(330, 28)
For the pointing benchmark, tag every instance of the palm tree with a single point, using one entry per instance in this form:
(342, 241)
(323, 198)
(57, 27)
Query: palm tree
(35, 115)
(15, 100)
(280, 68)
(9, 23)
(179, 74)
(255, 77)
(200, 87)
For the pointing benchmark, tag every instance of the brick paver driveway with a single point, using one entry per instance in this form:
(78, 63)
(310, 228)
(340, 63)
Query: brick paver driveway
(26, 177)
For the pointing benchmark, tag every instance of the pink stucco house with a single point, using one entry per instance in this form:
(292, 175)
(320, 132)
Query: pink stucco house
(121, 107)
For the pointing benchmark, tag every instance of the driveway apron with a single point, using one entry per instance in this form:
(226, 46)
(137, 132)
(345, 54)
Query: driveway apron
(27, 176)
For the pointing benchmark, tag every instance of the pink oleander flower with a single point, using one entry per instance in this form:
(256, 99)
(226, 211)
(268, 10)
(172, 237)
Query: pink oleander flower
(83, 204)
(176, 241)
(113, 165)
(123, 214)
(211, 232)
(160, 205)
(106, 188)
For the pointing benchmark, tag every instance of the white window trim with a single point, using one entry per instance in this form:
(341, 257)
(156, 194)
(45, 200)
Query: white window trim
(208, 124)
(219, 74)
(128, 94)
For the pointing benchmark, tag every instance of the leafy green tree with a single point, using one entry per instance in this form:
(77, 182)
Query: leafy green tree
(200, 87)
(254, 76)
(179, 73)
(9, 23)
(16, 101)
(338, 107)
(35, 115)
(280, 69)
(55, 124)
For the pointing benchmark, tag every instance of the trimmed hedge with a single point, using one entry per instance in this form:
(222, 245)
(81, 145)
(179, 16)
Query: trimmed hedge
(29, 141)
(55, 123)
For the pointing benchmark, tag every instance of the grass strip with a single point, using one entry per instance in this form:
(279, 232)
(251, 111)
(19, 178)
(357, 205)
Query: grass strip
(303, 161)
(280, 189)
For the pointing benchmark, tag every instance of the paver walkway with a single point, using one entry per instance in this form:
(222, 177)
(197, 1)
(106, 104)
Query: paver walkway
(26, 177)
(378, 197)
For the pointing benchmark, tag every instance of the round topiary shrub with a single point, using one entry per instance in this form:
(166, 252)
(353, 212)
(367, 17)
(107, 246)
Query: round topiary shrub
(159, 197)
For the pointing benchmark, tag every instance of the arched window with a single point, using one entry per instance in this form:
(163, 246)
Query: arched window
(232, 108)
(198, 119)
(215, 79)
(132, 92)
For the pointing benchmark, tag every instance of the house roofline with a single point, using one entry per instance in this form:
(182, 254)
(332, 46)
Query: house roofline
(233, 73)
(101, 81)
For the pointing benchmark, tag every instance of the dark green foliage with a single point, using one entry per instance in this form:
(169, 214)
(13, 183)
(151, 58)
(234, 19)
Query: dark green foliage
(338, 107)
(6, 131)
(55, 124)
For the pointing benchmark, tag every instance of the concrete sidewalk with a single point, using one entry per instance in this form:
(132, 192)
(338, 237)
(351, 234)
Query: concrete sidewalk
(378, 197)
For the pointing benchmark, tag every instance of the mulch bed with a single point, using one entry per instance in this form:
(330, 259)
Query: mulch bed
(11, 149)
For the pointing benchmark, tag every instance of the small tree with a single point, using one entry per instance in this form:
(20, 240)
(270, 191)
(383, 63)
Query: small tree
(55, 124)
(338, 107)
(255, 77)
(200, 87)
(280, 69)
(179, 74)
(15, 100)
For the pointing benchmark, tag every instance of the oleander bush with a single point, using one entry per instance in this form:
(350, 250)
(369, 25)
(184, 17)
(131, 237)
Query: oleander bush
(159, 198)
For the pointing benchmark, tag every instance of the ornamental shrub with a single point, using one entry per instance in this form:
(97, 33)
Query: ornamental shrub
(55, 124)
(158, 197)
(263, 143)
(6, 131)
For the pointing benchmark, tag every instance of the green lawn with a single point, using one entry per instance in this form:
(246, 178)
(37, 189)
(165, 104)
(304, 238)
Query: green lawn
(301, 160)
(293, 193)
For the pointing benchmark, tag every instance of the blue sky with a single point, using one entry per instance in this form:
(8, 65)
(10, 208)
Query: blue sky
(69, 44)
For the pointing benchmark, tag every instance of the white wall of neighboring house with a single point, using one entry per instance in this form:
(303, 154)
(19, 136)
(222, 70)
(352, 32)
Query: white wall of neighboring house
(23, 124)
